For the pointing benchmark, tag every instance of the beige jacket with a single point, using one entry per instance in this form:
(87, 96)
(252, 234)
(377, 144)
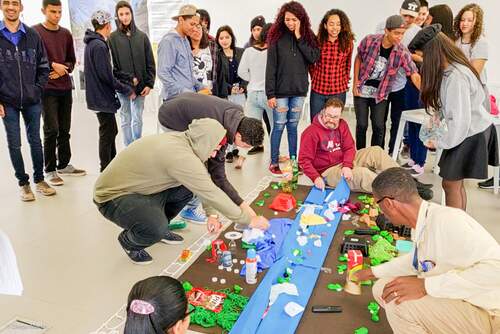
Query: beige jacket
(466, 258)
(159, 162)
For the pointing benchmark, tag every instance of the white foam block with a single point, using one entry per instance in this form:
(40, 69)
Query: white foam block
(292, 309)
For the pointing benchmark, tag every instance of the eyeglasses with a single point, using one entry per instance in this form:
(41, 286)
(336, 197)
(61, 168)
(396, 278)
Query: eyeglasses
(385, 197)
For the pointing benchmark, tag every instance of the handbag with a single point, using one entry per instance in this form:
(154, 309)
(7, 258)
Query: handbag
(434, 127)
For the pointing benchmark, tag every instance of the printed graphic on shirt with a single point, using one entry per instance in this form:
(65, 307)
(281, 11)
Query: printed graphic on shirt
(202, 67)
(331, 143)
(369, 89)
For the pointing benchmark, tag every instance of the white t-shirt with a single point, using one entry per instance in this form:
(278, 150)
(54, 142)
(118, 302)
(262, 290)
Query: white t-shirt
(252, 68)
(202, 67)
(479, 51)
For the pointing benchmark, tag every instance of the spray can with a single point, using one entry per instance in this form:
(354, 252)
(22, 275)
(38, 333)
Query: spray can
(251, 267)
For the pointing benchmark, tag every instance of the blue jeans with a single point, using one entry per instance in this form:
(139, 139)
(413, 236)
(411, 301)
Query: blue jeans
(287, 113)
(31, 117)
(418, 152)
(131, 118)
(237, 99)
(317, 102)
(257, 105)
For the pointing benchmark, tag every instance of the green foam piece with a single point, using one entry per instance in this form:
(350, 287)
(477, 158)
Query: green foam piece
(382, 250)
(348, 232)
(281, 280)
(334, 287)
(375, 262)
(297, 252)
(367, 283)
(237, 289)
(177, 224)
(266, 195)
(275, 186)
(187, 286)
(260, 203)
(376, 237)
(299, 203)
(245, 245)
(361, 330)
(376, 228)
(342, 258)
(341, 268)
(373, 307)
(375, 318)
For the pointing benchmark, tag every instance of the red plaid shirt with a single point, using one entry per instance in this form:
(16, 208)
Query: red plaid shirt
(330, 74)
(369, 50)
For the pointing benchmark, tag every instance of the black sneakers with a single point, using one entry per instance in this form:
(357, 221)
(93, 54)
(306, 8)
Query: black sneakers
(140, 257)
(488, 184)
(172, 238)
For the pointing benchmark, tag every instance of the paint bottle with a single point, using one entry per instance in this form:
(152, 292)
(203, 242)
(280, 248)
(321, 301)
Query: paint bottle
(251, 267)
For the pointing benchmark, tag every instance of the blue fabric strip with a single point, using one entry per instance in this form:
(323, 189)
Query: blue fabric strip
(306, 269)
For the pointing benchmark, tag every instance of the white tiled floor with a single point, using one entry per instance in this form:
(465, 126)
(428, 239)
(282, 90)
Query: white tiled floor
(75, 274)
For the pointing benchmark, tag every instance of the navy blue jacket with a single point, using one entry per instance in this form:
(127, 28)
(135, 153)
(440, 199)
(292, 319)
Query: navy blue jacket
(24, 70)
(100, 84)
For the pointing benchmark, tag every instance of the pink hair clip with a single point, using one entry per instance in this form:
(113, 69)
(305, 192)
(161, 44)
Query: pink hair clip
(141, 307)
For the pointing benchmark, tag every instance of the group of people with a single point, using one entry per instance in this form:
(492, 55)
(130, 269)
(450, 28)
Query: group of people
(215, 99)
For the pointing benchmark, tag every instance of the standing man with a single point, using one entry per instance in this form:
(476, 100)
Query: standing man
(101, 86)
(133, 59)
(24, 70)
(56, 98)
(175, 61)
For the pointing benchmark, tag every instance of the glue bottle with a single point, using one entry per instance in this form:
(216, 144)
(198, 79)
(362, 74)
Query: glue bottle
(251, 267)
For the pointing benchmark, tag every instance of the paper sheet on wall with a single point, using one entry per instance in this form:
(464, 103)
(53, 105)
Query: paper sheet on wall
(10, 280)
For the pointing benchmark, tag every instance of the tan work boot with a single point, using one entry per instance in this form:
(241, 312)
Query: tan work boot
(43, 188)
(53, 179)
(26, 194)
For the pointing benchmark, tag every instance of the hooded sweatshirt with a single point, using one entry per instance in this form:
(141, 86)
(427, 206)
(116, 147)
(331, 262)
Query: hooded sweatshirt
(175, 66)
(322, 148)
(155, 163)
(132, 55)
(179, 112)
(100, 84)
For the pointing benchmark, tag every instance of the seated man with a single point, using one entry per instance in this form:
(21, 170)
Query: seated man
(176, 114)
(328, 152)
(449, 282)
(150, 181)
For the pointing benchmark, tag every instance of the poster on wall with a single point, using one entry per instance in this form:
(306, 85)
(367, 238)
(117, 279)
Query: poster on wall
(81, 11)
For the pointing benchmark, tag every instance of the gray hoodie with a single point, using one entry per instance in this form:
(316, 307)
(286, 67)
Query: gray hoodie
(155, 163)
(175, 66)
(462, 98)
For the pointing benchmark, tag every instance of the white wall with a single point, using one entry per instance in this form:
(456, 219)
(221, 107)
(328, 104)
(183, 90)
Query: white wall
(364, 17)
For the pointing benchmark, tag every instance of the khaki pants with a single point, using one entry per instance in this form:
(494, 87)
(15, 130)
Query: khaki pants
(366, 162)
(435, 315)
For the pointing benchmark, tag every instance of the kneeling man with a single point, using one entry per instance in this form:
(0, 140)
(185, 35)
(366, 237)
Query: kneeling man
(449, 282)
(150, 182)
(328, 152)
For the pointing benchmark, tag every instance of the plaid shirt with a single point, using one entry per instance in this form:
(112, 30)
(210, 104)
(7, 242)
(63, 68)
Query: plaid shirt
(330, 74)
(368, 52)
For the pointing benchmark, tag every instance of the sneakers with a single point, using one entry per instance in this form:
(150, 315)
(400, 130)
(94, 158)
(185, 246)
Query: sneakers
(239, 162)
(488, 184)
(255, 150)
(409, 164)
(194, 215)
(140, 257)
(172, 238)
(275, 170)
(54, 179)
(229, 157)
(26, 194)
(72, 171)
(423, 185)
(416, 170)
(43, 188)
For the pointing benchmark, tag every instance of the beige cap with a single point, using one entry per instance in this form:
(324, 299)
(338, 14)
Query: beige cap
(186, 10)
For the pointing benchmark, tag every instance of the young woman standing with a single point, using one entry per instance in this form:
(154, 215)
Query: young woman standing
(451, 87)
(202, 57)
(292, 48)
(330, 75)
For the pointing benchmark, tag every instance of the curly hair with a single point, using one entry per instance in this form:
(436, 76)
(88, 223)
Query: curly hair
(346, 36)
(279, 27)
(478, 24)
(251, 131)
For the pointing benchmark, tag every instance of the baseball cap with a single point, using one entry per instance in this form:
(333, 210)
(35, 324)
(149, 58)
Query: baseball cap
(394, 22)
(186, 10)
(102, 17)
(410, 7)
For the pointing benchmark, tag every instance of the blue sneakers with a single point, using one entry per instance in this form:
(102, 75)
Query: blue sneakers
(195, 215)
(139, 257)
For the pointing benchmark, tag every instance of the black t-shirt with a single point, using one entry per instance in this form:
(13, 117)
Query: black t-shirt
(380, 67)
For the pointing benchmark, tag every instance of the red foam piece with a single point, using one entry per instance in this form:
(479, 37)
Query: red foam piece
(283, 203)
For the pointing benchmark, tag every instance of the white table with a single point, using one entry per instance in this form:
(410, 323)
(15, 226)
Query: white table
(418, 116)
